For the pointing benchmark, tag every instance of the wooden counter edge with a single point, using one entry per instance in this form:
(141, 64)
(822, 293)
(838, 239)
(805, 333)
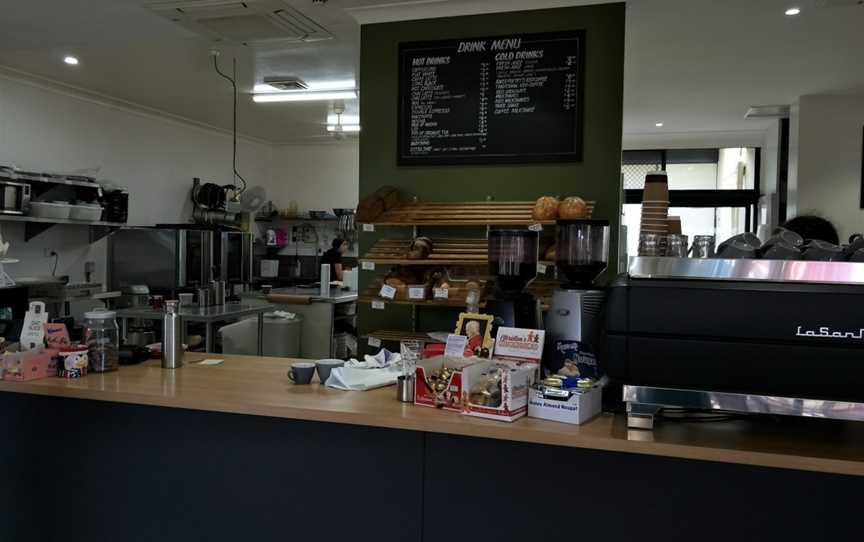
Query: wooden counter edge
(453, 424)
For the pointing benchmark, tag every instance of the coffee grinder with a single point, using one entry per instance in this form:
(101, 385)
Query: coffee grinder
(573, 323)
(513, 265)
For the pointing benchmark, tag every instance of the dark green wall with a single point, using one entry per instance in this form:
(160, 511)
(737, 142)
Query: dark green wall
(596, 178)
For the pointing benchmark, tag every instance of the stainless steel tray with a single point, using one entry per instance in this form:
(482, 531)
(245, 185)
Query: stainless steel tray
(643, 267)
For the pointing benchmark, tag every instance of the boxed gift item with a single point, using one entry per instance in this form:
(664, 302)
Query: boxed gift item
(439, 382)
(34, 364)
(497, 390)
(575, 406)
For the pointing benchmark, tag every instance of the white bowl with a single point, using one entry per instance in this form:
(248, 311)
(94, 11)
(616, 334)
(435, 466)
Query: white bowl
(90, 212)
(48, 209)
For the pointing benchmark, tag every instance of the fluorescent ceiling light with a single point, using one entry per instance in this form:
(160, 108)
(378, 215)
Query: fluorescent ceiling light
(345, 84)
(71, 60)
(344, 128)
(333, 118)
(305, 96)
(793, 11)
(658, 124)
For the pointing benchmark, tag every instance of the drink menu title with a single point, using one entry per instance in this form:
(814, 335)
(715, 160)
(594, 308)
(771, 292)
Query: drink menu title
(487, 100)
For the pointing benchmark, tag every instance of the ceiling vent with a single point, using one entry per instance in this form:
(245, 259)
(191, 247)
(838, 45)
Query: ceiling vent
(286, 83)
(253, 22)
(767, 112)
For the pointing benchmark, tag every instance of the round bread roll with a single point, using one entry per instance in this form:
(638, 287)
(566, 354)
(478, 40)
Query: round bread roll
(395, 282)
(572, 208)
(417, 254)
(545, 208)
(472, 285)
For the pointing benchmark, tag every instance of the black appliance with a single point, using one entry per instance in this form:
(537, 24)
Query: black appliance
(786, 339)
(513, 265)
(573, 323)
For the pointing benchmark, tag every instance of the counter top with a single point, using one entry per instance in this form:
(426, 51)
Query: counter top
(259, 386)
(201, 314)
(314, 294)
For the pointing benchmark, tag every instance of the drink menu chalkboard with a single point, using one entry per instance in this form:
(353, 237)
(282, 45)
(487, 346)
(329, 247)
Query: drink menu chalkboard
(501, 99)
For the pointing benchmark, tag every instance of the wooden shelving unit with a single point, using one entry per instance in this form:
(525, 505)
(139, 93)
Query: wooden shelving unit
(462, 251)
(480, 213)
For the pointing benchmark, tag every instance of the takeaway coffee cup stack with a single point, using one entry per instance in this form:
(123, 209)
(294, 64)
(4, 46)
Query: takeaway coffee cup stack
(655, 213)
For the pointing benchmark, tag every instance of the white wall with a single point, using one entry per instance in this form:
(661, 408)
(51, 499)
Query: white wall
(829, 159)
(45, 129)
(317, 176)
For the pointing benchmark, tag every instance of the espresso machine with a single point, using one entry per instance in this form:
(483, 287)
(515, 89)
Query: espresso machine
(513, 265)
(574, 324)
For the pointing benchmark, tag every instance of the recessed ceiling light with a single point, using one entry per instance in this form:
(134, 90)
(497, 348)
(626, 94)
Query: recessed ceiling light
(71, 60)
(658, 124)
(305, 96)
(793, 11)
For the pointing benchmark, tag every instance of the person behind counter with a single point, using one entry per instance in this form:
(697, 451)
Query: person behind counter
(334, 257)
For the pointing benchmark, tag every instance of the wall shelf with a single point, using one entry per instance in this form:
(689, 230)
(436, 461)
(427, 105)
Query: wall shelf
(33, 226)
(480, 213)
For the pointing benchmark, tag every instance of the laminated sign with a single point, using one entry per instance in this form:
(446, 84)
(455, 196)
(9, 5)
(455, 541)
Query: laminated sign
(519, 344)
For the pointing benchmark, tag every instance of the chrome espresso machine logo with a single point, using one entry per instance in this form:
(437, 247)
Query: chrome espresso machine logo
(826, 333)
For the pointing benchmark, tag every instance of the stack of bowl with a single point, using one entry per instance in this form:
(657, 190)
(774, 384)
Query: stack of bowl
(655, 205)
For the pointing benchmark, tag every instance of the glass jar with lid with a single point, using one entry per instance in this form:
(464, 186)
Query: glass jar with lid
(102, 337)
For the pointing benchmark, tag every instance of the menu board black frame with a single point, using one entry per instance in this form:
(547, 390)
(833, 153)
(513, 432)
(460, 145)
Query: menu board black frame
(410, 50)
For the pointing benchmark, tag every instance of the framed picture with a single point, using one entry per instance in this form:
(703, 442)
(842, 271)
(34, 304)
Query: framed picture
(862, 168)
(478, 329)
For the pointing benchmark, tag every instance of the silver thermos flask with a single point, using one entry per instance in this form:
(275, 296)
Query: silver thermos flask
(172, 336)
(325, 280)
(218, 294)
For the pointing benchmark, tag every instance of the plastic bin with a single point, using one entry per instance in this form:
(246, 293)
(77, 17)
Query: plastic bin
(281, 337)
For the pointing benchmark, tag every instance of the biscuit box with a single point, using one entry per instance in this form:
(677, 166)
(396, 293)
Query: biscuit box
(30, 365)
(497, 390)
(426, 390)
(583, 405)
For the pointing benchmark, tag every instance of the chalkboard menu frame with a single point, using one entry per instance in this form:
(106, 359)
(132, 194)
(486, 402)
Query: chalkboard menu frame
(403, 158)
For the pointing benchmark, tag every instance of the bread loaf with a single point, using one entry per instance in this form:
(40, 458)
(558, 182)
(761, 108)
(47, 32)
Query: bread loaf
(572, 208)
(551, 254)
(545, 208)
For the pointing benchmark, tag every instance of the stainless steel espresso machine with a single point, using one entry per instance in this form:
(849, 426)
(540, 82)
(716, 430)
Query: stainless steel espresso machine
(573, 323)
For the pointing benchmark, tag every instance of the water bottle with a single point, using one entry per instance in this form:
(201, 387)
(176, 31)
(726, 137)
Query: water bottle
(172, 336)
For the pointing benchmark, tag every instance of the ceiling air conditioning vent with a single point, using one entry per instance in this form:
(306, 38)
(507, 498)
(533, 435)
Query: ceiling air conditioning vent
(252, 22)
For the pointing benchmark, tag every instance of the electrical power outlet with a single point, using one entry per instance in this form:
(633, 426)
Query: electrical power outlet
(48, 252)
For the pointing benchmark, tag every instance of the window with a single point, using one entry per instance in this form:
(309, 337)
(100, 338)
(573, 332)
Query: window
(714, 191)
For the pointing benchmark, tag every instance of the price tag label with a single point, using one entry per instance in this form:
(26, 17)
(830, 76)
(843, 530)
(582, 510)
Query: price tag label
(373, 342)
(536, 227)
(368, 266)
(417, 293)
(541, 268)
(387, 292)
(455, 347)
(441, 293)
(378, 305)
(368, 227)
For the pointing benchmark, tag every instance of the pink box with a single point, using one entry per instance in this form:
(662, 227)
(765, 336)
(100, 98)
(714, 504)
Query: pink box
(30, 365)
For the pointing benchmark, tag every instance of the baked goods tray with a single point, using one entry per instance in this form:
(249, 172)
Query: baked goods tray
(450, 251)
(464, 213)
(456, 297)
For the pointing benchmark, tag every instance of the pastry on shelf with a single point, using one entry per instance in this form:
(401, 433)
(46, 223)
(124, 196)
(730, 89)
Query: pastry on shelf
(573, 208)
(545, 208)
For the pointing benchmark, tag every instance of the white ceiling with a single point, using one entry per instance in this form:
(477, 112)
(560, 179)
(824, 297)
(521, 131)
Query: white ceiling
(694, 65)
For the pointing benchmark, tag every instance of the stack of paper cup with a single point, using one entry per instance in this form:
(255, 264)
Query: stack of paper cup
(655, 205)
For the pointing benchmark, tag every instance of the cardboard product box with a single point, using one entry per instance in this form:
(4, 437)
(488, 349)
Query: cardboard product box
(583, 405)
(509, 396)
(448, 399)
(30, 365)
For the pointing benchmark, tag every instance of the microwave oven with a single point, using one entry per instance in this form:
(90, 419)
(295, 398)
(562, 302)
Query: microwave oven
(14, 197)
